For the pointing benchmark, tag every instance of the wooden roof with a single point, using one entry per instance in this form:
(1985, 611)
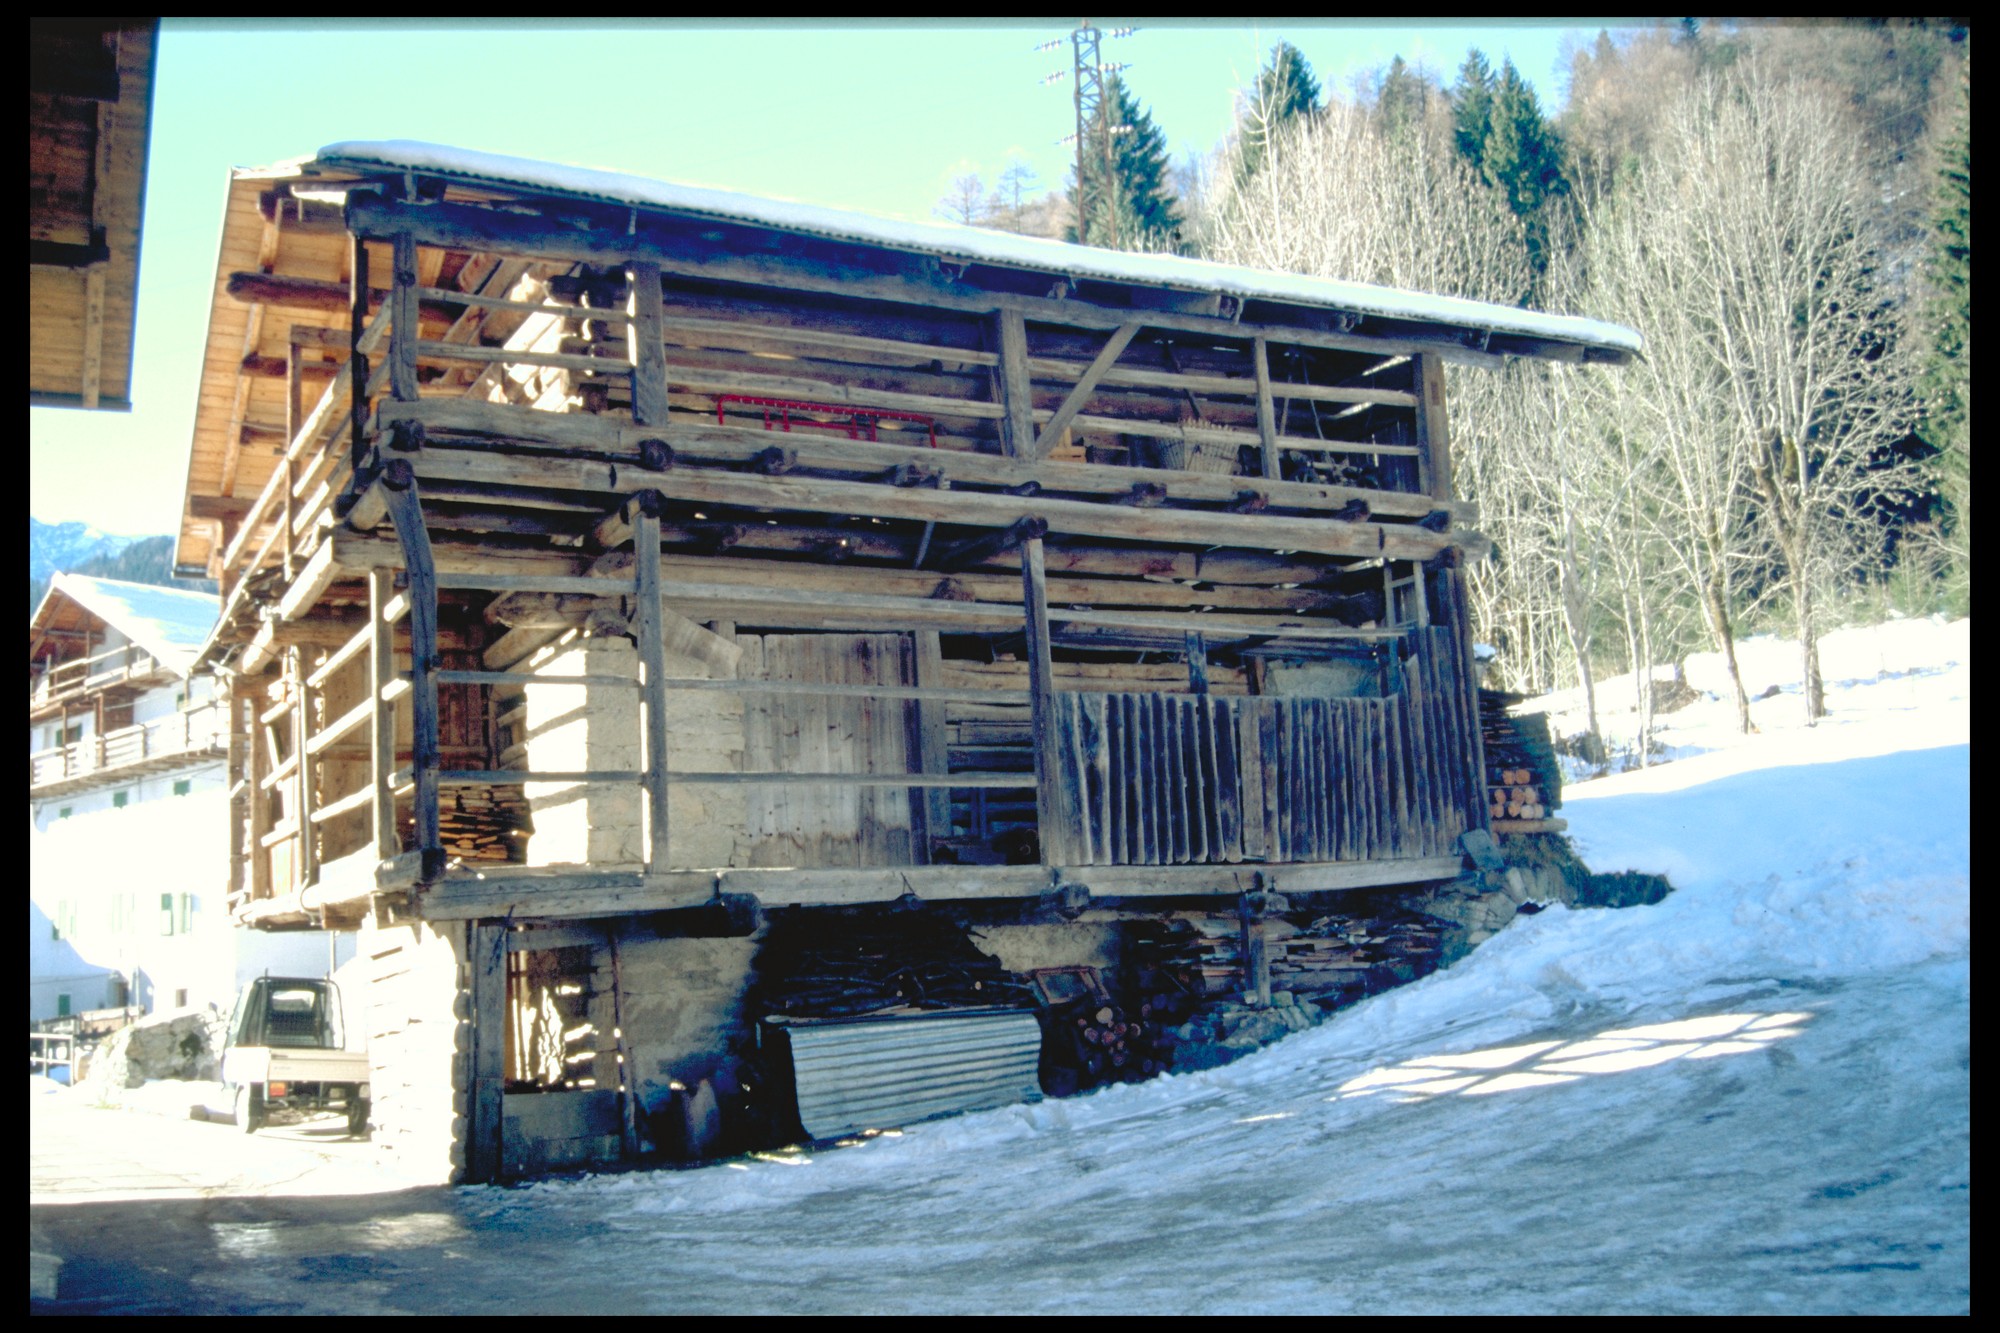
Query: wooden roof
(90, 95)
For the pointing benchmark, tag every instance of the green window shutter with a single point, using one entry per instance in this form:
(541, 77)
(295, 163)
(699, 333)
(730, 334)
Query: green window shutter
(119, 798)
(182, 786)
(66, 812)
(166, 914)
(62, 1005)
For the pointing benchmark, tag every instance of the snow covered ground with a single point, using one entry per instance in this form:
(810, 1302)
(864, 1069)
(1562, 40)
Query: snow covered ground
(1751, 1097)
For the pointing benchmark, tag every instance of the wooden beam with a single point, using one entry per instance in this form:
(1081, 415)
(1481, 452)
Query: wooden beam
(1267, 421)
(93, 334)
(653, 668)
(1052, 430)
(1323, 536)
(648, 356)
(311, 584)
(931, 749)
(978, 550)
(382, 722)
(406, 511)
(405, 330)
(1052, 813)
(1016, 396)
(486, 1017)
(1433, 430)
(305, 864)
(334, 298)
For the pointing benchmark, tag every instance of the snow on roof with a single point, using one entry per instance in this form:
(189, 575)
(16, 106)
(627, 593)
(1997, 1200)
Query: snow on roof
(170, 623)
(977, 244)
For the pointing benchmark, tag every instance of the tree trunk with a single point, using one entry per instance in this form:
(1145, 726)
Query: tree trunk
(1716, 606)
(1811, 686)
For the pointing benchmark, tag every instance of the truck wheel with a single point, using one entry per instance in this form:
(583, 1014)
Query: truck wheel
(249, 1108)
(357, 1117)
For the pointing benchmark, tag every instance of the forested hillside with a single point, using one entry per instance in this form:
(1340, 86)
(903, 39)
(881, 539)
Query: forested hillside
(1784, 212)
(147, 560)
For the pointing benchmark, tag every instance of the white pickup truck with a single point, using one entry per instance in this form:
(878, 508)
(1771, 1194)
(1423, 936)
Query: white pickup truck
(286, 1053)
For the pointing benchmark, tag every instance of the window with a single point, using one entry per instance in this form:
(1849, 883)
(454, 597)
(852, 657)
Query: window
(180, 999)
(182, 786)
(187, 912)
(166, 914)
(71, 734)
(62, 1005)
(66, 812)
(119, 798)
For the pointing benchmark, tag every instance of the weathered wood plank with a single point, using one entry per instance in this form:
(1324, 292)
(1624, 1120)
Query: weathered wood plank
(1086, 384)
(648, 355)
(1016, 397)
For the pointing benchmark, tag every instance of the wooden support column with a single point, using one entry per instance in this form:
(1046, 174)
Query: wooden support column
(1267, 417)
(1252, 909)
(1197, 663)
(239, 798)
(486, 1067)
(305, 865)
(1433, 434)
(933, 753)
(357, 361)
(404, 332)
(644, 344)
(651, 635)
(382, 714)
(289, 498)
(407, 513)
(260, 797)
(1052, 805)
(628, 1090)
(1016, 395)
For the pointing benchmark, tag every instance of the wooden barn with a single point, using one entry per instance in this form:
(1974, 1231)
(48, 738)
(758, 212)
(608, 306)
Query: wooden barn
(619, 576)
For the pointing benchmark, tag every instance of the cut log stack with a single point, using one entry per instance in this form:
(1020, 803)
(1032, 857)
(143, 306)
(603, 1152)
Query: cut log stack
(892, 966)
(1516, 796)
(1087, 1042)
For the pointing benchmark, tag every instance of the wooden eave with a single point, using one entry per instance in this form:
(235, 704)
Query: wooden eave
(89, 123)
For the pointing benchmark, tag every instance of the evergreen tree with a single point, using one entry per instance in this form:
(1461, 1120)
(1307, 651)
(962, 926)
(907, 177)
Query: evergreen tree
(1472, 108)
(1521, 158)
(1401, 100)
(1147, 211)
(1286, 90)
(1944, 377)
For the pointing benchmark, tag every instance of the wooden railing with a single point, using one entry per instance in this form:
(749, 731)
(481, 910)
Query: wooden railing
(114, 665)
(194, 729)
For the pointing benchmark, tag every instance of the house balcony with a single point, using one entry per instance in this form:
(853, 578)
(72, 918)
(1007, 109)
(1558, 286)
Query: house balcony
(128, 667)
(129, 753)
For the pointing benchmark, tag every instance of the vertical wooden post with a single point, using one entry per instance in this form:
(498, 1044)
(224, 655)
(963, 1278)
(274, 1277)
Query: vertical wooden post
(407, 513)
(404, 326)
(628, 1083)
(1256, 951)
(382, 714)
(306, 864)
(1433, 435)
(1267, 416)
(239, 796)
(933, 753)
(260, 798)
(357, 361)
(62, 738)
(653, 669)
(293, 386)
(486, 1072)
(1016, 394)
(643, 340)
(1052, 806)
(1197, 663)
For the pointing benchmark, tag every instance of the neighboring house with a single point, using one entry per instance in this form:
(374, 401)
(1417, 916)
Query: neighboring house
(127, 808)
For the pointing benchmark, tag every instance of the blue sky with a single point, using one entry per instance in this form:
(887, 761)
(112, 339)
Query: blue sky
(875, 117)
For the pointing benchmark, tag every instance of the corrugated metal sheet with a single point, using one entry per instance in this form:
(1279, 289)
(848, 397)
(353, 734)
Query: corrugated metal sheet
(878, 1073)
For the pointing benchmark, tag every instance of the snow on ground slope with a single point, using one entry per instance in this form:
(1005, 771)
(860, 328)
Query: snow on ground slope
(1753, 1096)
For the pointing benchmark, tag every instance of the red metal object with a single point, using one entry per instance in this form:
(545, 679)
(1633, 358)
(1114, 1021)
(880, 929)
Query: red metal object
(857, 418)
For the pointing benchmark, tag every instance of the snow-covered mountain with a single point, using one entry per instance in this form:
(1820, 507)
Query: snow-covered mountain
(64, 546)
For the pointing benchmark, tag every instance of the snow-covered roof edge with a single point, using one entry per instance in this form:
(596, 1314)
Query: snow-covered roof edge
(976, 244)
(170, 623)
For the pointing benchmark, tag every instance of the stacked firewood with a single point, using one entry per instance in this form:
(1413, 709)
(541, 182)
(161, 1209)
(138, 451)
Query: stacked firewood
(849, 967)
(1521, 773)
(1337, 957)
(1516, 796)
(485, 823)
(1089, 1042)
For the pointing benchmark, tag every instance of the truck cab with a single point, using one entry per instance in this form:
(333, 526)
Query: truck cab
(287, 1052)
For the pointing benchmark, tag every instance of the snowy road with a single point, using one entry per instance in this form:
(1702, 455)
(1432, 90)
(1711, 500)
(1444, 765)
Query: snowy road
(1752, 1097)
